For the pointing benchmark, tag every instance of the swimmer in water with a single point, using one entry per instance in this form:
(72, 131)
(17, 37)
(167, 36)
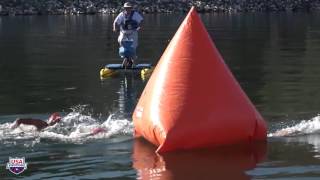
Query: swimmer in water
(53, 119)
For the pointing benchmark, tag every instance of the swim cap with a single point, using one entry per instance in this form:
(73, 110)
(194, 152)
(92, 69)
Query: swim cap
(55, 117)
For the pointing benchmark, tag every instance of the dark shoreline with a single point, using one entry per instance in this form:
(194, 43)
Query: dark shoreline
(75, 7)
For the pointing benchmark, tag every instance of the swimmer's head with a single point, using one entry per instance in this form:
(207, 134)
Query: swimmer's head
(54, 118)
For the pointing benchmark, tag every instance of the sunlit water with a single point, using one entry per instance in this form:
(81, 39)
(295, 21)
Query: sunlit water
(51, 64)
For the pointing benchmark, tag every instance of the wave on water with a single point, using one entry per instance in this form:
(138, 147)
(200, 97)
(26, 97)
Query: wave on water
(74, 128)
(304, 127)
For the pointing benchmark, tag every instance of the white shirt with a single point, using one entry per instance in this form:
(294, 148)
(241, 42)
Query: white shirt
(121, 18)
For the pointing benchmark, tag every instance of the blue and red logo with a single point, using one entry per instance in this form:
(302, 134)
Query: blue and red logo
(16, 165)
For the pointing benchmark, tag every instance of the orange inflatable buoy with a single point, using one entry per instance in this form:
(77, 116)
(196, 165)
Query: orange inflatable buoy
(192, 99)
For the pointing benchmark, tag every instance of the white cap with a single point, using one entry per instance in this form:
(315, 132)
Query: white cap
(127, 5)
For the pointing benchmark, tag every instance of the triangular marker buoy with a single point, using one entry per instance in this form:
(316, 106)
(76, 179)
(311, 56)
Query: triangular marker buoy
(192, 99)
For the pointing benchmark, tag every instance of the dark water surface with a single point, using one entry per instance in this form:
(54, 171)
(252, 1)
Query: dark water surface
(52, 63)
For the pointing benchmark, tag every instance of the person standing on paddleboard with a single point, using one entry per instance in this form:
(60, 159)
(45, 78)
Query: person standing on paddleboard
(128, 22)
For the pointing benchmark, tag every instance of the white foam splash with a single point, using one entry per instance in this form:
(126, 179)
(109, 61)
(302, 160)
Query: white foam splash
(304, 127)
(73, 128)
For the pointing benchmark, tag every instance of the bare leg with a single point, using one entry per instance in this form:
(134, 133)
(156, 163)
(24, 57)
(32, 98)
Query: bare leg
(129, 63)
(124, 63)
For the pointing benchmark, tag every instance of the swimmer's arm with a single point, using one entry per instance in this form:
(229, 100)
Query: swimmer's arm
(94, 132)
